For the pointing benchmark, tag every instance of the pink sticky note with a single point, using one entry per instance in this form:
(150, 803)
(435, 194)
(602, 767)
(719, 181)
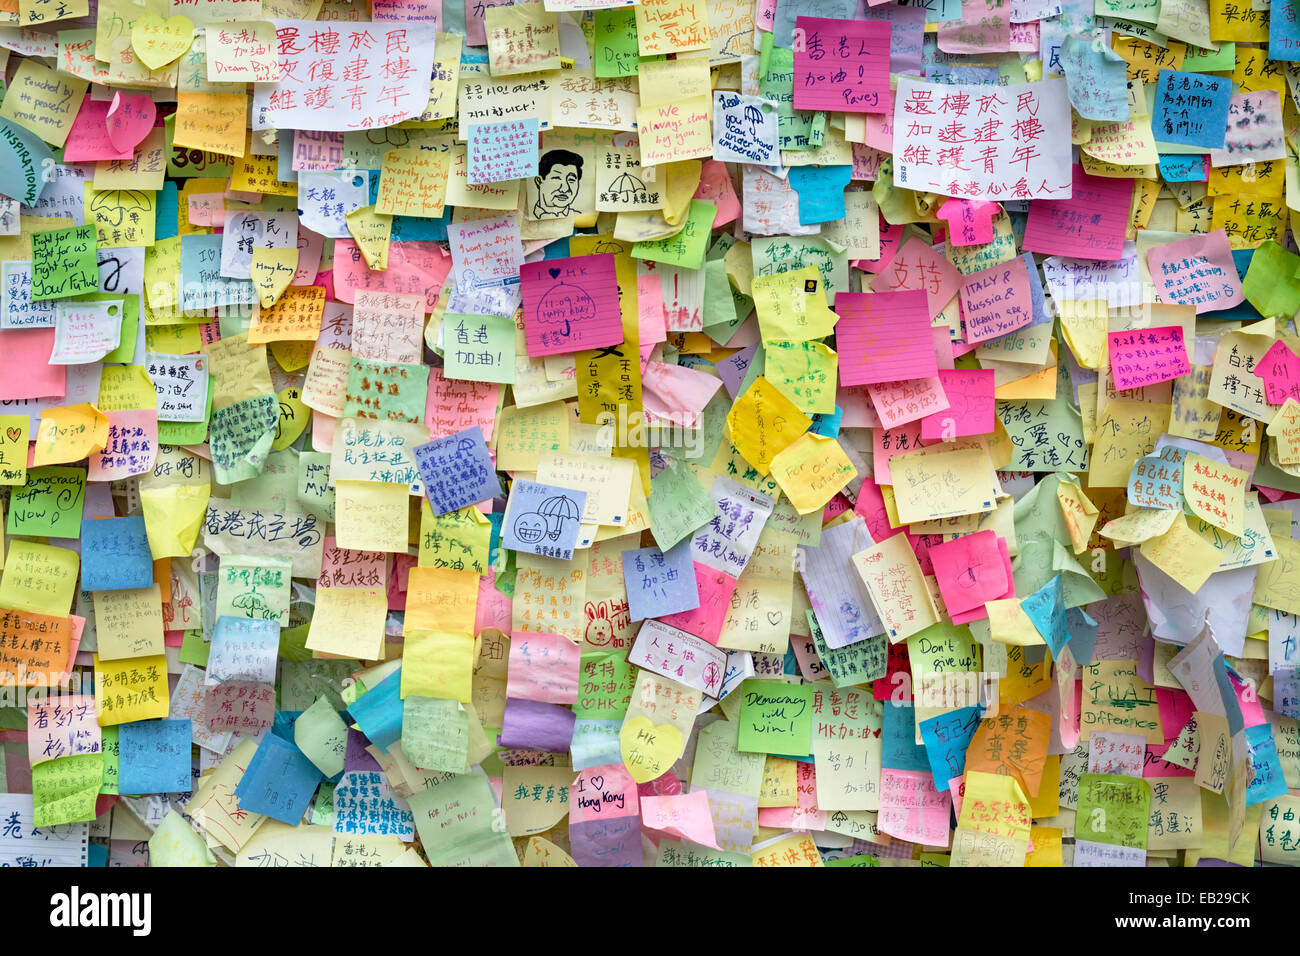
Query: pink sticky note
(912, 809)
(129, 120)
(804, 815)
(310, 246)
(677, 393)
(88, 140)
(970, 571)
(870, 506)
(981, 612)
(25, 371)
(346, 568)
(883, 337)
(842, 65)
(1088, 225)
(898, 403)
(1155, 764)
(494, 608)
(716, 187)
(715, 589)
(684, 816)
(971, 405)
(413, 268)
(996, 301)
(1280, 370)
(892, 441)
(1196, 271)
(570, 304)
(1147, 356)
(916, 265)
(131, 449)
(878, 129)
(607, 792)
(970, 221)
(452, 405)
(543, 667)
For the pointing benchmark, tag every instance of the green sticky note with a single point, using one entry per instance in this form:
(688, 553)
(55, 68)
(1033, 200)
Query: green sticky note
(194, 649)
(435, 734)
(775, 718)
(64, 262)
(796, 129)
(108, 783)
(392, 391)
(457, 821)
(64, 789)
(479, 348)
(858, 663)
(302, 681)
(605, 681)
(1113, 809)
(320, 733)
(315, 496)
(49, 505)
(862, 859)
(240, 438)
(615, 43)
(1198, 60)
(679, 854)
(186, 433)
(1271, 285)
(678, 505)
(720, 765)
(685, 249)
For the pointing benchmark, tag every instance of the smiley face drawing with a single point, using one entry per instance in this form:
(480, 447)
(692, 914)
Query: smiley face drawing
(530, 527)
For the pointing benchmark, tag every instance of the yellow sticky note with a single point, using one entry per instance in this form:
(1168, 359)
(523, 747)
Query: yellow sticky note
(1009, 624)
(349, 622)
(1079, 512)
(371, 515)
(438, 664)
(811, 470)
(672, 132)
(69, 433)
(897, 587)
(796, 850)
(371, 230)
(13, 449)
(42, 101)
(131, 689)
(39, 577)
(1216, 493)
(1285, 432)
(523, 38)
(764, 422)
(933, 484)
(1126, 431)
(271, 271)
(214, 122)
(413, 182)
(441, 599)
(792, 305)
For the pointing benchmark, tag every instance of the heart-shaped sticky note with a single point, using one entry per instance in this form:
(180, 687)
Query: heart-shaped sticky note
(157, 42)
(294, 416)
(129, 120)
(649, 749)
(272, 271)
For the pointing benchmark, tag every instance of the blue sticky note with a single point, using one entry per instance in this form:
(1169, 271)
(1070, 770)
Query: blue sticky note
(1269, 781)
(166, 225)
(115, 554)
(1231, 705)
(898, 740)
(202, 284)
(543, 519)
(1243, 311)
(154, 756)
(457, 471)
(1284, 31)
(821, 192)
(788, 13)
(22, 164)
(1036, 295)
(1181, 168)
(1191, 109)
(378, 712)
(1046, 609)
(946, 738)
(279, 781)
(1083, 634)
(827, 424)
(660, 582)
(1096, 78)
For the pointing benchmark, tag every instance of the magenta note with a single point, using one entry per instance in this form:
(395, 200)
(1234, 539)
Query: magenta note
(884, 337)
(842, 65)
(571, 304)
(1088, 225)
(1280, 370)
(996, 301)
(1147, 356)
(971, 405)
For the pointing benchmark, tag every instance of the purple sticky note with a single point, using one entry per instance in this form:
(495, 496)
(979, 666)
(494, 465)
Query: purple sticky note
(660, 582)
(357, 758)
(733, 369)
(615, 842)
(457, 471)
(532, 725)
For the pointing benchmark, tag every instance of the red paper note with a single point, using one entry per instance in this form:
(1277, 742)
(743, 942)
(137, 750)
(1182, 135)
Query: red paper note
(571, 304)
(1147, 356)
(883, 337)
(841, 65)
(1088, 225)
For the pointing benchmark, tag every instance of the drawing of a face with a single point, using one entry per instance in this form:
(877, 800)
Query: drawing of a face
(559, 174)
(530, 527)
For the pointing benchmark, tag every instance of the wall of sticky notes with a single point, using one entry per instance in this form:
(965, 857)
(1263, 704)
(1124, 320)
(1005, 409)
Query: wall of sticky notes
(659, 433)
